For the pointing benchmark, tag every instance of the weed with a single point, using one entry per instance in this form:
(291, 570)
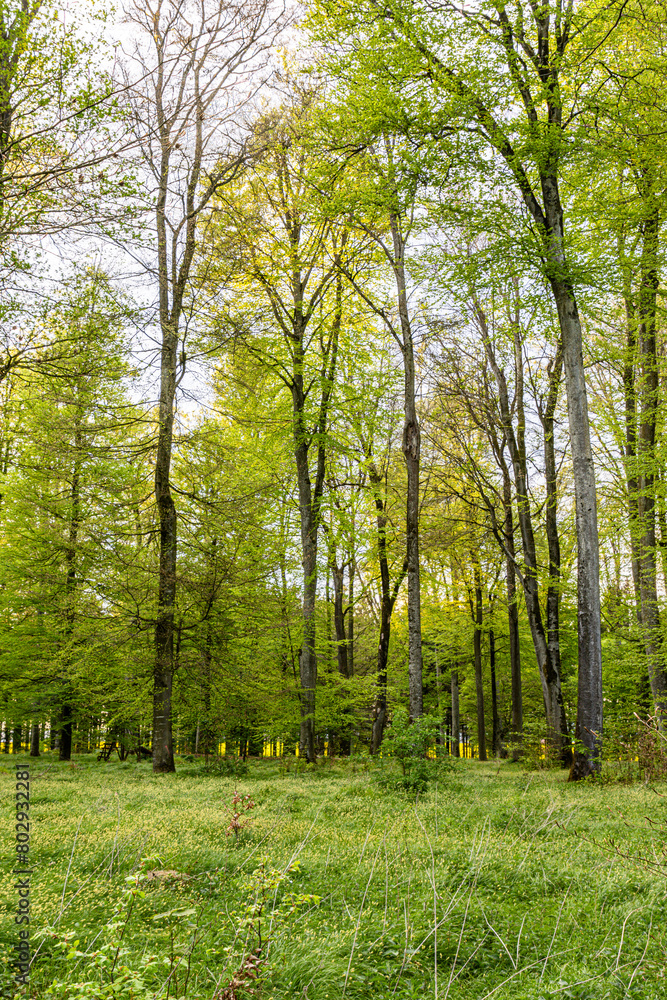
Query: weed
(238, 814)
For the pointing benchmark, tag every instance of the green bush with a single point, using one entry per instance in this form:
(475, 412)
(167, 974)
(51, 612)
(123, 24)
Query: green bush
(409, 743)
(227, 767)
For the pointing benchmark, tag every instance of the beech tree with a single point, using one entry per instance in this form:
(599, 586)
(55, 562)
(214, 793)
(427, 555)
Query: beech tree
(525, 52)
(188, 79)
(275, 235)
(383, 208)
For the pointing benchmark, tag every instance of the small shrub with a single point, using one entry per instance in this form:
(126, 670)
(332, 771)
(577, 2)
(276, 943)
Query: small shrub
(262, 919)
(409, 743)
(227, 767)
(238, 814)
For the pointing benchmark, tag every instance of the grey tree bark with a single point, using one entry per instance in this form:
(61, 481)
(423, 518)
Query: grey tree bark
(388, 600)
(512, 608)
(548, 666)
(182, 97)
(411, 451)
(400, 192)
(647, 460)
(533, 68)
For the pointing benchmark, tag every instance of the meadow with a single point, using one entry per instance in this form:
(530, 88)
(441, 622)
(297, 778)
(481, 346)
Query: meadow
(495, 882)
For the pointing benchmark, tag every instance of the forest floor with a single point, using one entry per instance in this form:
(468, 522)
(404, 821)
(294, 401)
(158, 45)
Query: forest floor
(497, 882)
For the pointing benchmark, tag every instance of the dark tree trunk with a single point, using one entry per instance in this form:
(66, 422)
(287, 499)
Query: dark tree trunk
(388, 599)
(512, 611)
(456, 718)
(338, 573)
(71, 561)
(589, 683)
(16, 739)
(479, 681)
(205, 738)
(342, 646)
(65, 741)
(548, 670)
(34, 740)
(494, 694)
(662, 521)
(438, 691)
(163, 671)
(630, 445)
(307, 659)
(351, 569)
(547, 414)
(647, 464)
(411, 451)
(310, 499)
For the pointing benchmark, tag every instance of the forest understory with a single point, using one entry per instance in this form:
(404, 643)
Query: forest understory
(495, 882)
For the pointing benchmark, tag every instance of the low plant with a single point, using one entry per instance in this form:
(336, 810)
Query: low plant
(260, 921)
(228, 766)
(238, 814)
(410, 743)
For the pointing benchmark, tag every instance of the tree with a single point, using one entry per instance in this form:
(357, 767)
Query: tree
(65, 505)
(276, 235)
(383, 208)
(437, 48)
(187, 84)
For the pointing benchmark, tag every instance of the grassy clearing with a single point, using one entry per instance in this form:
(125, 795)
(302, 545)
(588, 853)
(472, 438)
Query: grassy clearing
(490, 885)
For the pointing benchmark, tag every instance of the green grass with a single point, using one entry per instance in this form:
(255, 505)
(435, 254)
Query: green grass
(516, 871)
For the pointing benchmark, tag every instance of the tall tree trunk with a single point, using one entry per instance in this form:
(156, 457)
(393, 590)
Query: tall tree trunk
(308, 657)
(630, 444)
(65, 740)
(456, 718)
(351, 570)
(494, 690)
(647, 463)
(549, 672)
(388, 599)
(338, 576)
(205, 734)
(438, 693)
(589, 681)
(512, 610)
(547, 414)
(163, 671)
(662, 521)
(310, 498)
(342, 645)
(411, 450)
(479, 680)
(71, 562)
(34, 740)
